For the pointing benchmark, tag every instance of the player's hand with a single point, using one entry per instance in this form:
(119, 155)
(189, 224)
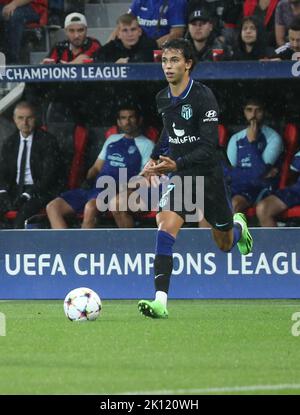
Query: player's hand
(252, 130)
(8, 10)
(145, 172)
(273, 172)
(164, 166)
(46, 61)
(122, 60)
(78, 60)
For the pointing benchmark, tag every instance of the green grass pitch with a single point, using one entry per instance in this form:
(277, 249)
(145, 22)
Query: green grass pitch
(205, 347)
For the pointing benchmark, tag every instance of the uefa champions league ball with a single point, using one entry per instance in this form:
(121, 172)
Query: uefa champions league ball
(82, 304)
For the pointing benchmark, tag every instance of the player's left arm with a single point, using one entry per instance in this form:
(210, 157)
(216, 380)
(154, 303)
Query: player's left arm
(204, 154)
(95, 169)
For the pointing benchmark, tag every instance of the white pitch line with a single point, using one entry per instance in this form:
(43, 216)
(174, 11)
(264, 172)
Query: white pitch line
(250, 388)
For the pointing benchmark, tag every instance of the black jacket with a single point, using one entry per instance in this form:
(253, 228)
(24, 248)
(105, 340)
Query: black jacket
(142, 51)
(44, 164)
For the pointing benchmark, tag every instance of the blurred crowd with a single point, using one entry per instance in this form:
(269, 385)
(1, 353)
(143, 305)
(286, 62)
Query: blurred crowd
(218, 29)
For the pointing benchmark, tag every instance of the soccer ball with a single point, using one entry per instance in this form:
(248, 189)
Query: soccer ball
(82, 304)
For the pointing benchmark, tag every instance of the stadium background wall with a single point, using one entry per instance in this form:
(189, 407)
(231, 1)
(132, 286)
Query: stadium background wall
(92, 100)
(37, 264)
(47, 264)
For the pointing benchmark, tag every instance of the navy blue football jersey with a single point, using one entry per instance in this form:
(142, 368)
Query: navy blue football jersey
(190, 133)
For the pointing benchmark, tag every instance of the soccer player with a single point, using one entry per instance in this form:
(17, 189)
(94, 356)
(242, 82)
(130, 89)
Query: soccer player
(190, 135)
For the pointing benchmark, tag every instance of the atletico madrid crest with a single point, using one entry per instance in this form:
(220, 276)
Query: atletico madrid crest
(186, 111)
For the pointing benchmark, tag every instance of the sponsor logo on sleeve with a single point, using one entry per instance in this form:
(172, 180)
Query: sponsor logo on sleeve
(210, 115)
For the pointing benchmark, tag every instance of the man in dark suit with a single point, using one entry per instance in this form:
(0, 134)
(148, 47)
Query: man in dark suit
(29, 167)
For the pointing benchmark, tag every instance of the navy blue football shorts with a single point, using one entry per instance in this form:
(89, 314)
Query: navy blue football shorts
(216, 203)
(78, 198)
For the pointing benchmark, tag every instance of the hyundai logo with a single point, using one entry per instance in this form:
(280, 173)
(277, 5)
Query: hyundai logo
(211, 114)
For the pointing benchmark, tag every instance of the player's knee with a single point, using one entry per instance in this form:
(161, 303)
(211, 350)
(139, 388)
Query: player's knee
(90, 210)
(262, 209)
(52, 206)
(115, 205)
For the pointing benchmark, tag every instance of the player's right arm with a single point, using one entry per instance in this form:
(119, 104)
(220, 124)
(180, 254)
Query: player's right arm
(162, 146)
(95, 169)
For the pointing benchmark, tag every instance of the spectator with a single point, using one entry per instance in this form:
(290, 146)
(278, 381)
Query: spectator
(286, 11)
(214, 8)
(232, 15)
(264, 11)
(205, 43)
(251, 41)
(129, 150)
(29, 167)
(253, 153)
(268, 210)
(287, 51)
(160, 19)
(130, 45)
(78, 47)
(15, 14)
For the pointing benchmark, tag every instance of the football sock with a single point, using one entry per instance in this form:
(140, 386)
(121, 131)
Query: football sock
(162, 297)
(163, 266)
(163, 263)
(164, 243)
(237, 233)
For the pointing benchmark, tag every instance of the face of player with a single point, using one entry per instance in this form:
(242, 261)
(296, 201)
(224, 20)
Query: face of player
(294, 39)
(200, 30)
(129, 34)
(76, 34)
(129, 123)
(254, 112)
(175, 67)
(295, 6)
(249, 33)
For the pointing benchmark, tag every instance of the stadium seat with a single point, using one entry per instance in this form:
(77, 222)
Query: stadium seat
(76, 174)
(43, 17)
(223, 135)
(41, 26)
(291, 139)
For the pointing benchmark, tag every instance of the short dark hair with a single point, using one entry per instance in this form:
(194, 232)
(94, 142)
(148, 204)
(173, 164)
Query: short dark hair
(129, 107)
(185, 46)
(295, 25)
(254, 101)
